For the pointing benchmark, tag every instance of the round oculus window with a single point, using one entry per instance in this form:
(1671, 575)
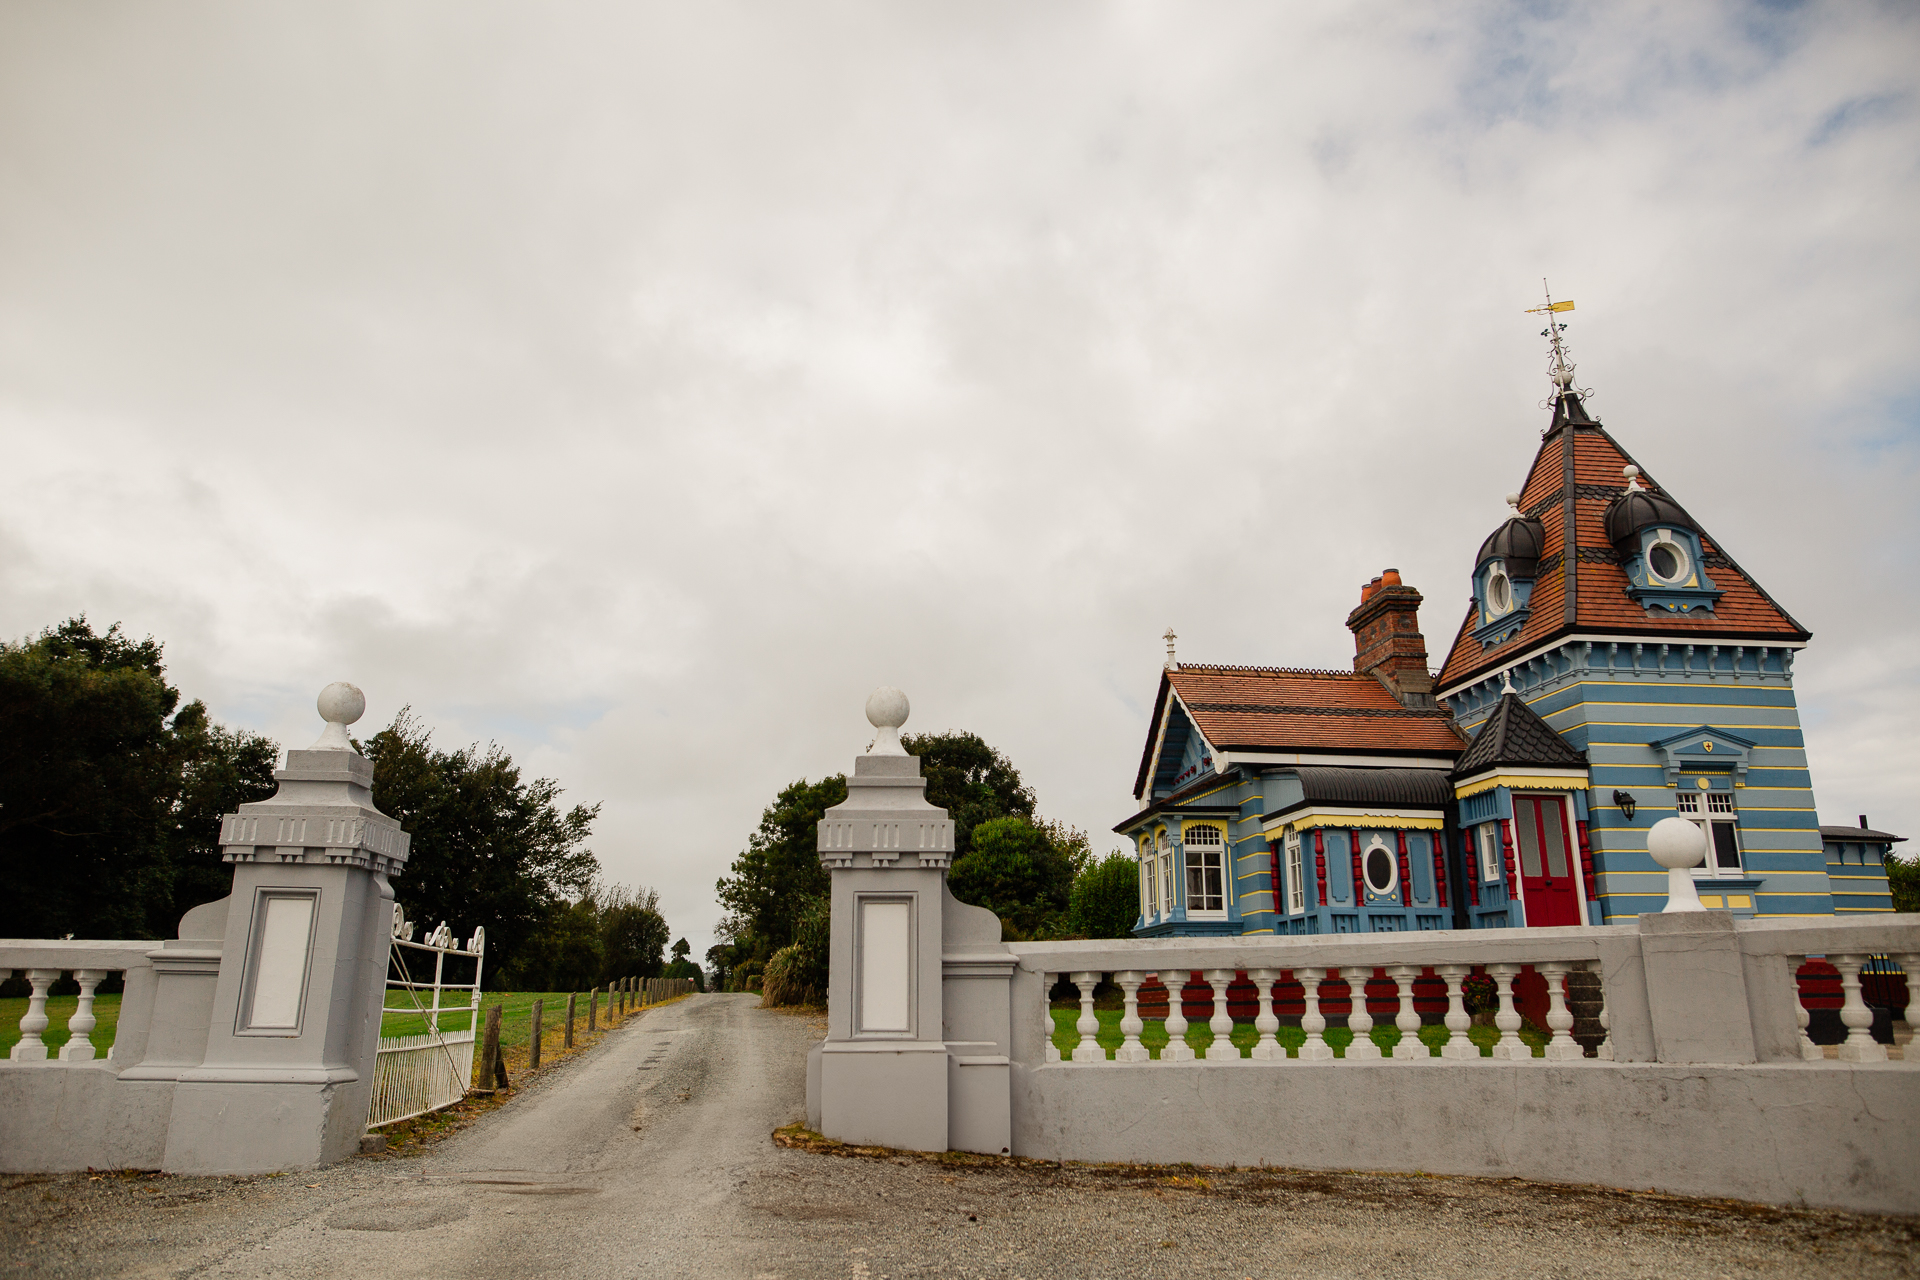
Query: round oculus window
(1379, 869)
(1666, 561)
(1499, 593)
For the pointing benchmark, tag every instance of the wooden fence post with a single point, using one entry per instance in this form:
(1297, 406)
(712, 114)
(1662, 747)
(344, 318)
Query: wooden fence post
(593, 1009)
(493, 1072)
(533, 1049)
(568, 1042)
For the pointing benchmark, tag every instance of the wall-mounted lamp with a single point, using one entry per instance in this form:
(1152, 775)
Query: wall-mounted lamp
(1625, 800)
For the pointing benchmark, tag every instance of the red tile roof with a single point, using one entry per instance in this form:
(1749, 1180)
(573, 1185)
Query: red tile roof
(1286, 709)
(1745, 611)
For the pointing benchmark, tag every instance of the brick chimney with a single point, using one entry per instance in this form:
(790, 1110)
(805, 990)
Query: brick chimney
(1387, 641)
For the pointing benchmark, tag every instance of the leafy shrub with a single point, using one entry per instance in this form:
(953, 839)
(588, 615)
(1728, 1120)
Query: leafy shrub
(797, 974)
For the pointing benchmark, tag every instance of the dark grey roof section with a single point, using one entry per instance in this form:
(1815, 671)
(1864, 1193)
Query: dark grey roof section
(1859, 835)
(1514, 734)
(1396, 788)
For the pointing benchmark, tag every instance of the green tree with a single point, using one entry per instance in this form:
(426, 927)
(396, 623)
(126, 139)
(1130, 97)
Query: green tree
(1903, 878)
(1021, 871)
(970, 780)
(1106, 898)
(776, 875)
(489, 847)
(633, 933)
(220, 770)
(110, 799)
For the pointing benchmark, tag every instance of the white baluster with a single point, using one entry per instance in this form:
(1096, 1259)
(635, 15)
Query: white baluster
(1406, 1018)
(78, 1047)
(1860, 1045)
(1046, 1016)
(1510, 1047)
(1563, 1047)
(1458, 1020)
(1268, 1047)
(1088, 1049)
(1605, 1052)
(31, 1047)
(1131, 1050)
(1221, 1024)
(1177, 1050)
(1312, 1022)
(1360, 1022)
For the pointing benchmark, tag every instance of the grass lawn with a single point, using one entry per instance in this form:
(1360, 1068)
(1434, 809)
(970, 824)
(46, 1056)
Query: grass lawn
(1199, 1035)
(106, 1011)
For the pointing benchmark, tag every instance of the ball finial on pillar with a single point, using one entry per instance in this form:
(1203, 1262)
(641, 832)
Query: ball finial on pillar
(1677, 845)
(340, 705)
(887, 710)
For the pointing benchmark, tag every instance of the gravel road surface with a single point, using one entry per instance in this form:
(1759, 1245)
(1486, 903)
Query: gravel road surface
(650, 1155)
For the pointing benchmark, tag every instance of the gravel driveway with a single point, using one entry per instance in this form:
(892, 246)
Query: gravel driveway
(650, 1155)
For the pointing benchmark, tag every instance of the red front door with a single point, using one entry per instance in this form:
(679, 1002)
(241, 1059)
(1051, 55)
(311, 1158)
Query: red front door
(1546, 860)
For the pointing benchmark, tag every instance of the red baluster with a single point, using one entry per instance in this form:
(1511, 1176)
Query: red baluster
(1473, 865)
(1406, 872)
(1320, 864)
(1359, 885)
(1440, 867)
(1586, 863)
(1506, 849)
(1273, 871)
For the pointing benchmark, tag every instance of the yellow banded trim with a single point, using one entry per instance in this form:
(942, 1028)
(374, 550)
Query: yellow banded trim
(1522, 782)
(1387, 820)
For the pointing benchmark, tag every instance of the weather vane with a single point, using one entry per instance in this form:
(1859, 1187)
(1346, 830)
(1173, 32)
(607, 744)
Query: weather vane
(1559, 367)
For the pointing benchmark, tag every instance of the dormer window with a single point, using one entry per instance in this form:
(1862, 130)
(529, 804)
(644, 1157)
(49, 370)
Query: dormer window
(1499, 590)
(1667, 560)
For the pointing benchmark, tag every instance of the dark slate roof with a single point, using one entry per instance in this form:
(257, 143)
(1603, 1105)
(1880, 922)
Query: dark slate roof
(1398, 788)
(1513, 734)
(1859, 835)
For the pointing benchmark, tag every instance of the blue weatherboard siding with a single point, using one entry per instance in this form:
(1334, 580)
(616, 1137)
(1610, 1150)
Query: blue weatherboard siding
(1858, 872)
(1595, 698)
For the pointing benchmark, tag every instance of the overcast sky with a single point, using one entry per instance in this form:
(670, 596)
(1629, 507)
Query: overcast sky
(640, 385)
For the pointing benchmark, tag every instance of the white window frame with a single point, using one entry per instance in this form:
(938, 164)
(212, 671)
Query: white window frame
(1149, 882)
(1296, 877)
(1498, 570)
(1716, 809)
(1168, 895)
(1487, 839)
(1680, 553)
(1393, 869)
(1200, 854)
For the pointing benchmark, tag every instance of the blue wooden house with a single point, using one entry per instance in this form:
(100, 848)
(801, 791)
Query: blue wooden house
(1616, 666)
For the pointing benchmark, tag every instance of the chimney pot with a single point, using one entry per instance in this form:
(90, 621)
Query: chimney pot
(1390, 578)
(1863, 822)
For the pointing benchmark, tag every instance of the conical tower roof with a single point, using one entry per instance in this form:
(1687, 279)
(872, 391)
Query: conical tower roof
(1575, 477)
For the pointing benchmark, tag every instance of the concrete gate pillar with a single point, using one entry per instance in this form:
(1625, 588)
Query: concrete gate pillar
(287, 1075)
(894, 1052)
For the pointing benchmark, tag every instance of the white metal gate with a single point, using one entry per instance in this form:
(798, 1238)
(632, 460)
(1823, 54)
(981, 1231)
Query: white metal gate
(421, 1072)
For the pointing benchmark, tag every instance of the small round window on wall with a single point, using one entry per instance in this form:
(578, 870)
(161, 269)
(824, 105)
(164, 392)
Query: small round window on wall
(1499, 589)
(1667, 561)
(1379, 870)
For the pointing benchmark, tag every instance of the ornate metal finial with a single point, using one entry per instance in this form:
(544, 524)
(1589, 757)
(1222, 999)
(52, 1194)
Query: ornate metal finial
(1172, 663)
(1559, 366)
(340, 705)
(1632, 473)
(887, 710)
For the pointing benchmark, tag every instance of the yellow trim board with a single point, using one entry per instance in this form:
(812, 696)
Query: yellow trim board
(1520, 782)
(1373, 821)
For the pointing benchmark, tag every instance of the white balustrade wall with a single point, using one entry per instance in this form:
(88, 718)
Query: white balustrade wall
(1705, 1080)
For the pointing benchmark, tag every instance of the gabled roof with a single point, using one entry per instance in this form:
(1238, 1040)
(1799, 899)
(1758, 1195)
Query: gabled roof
(1598, 582)
(1859, 835)
(1287, 709)
(1514, 735)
